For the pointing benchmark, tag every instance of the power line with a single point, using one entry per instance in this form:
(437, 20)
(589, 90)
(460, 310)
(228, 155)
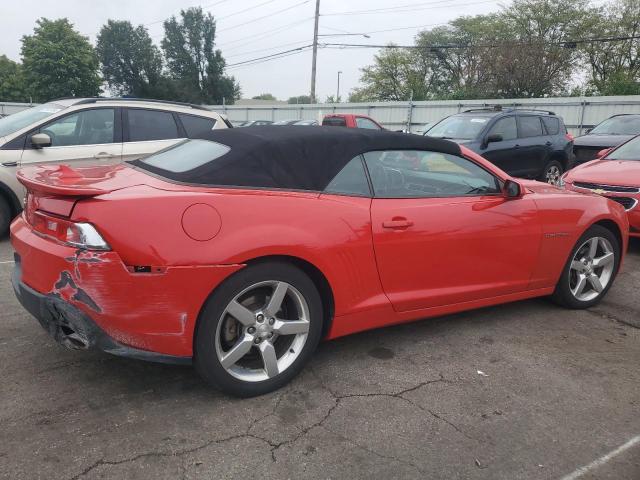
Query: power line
(568, 43)
(210, 5)
(273, 56)
(406, 8)
(266, 49)
(264, 16)
(249, 21)
(395, 29)
(246, 9)
(564, 43)
(263, 34)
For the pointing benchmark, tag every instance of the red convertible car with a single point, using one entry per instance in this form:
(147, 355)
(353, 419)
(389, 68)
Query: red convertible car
(616, 175)
(240, 251)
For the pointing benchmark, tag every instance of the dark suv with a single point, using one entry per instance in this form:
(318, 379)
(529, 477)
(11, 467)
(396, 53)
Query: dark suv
(523, 143)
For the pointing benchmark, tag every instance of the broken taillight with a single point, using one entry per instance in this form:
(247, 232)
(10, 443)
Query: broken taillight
(81, 235)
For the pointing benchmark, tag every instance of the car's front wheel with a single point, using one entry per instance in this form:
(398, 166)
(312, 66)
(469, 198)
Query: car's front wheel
(552, 173)
(258, 329)
(590, 269)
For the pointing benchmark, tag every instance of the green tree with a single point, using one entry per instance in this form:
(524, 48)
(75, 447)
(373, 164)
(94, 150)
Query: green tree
(12, 82)
(264, 96)
(538, 63)
(614, 67)
(518, 52)
(391, 78)
(131, 63)
(194, 64)
(304, 99)
(59, 62)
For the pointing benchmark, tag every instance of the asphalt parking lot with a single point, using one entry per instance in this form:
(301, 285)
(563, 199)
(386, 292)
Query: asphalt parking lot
(559, 390)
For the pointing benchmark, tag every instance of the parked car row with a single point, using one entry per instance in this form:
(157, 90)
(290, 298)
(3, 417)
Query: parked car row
(524, 143)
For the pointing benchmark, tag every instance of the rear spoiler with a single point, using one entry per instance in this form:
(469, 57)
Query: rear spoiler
(61, 180)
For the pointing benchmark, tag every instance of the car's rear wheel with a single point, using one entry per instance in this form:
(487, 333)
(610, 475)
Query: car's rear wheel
(590, 270)
(258, 329)
(552, 173)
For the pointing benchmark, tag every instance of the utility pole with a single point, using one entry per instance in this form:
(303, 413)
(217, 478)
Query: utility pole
(338, 90)
(315, 53)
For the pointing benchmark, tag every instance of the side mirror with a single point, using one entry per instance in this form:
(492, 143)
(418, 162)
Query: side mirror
(512, 189)
(494, 137)
(40, 140)
(603, 153)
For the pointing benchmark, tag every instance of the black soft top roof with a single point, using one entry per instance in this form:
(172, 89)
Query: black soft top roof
(293, 157)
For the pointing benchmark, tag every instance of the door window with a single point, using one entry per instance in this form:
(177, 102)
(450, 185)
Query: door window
(351, 180)
(506, 127)
(551, 125)
(88, 127)
(530, 127)
(145, 125)
(366, 123)
(414, 173)
(196, 126)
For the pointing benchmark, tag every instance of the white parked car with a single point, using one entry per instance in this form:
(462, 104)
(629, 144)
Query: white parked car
(88, 131)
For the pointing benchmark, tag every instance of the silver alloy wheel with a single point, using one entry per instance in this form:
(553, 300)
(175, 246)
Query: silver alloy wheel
(591, 269)
(262, 331)
(553, 175)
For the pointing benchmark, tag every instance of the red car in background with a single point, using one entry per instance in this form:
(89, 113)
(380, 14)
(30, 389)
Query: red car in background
(350, 120)
(240, 251)
(615, 174)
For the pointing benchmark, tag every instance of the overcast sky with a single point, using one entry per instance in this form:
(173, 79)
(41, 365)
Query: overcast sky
(242, 35)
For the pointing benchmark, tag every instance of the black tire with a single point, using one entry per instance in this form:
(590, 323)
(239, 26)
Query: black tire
(553, 169)
(206, 359)
(562, 294)
(5, 216)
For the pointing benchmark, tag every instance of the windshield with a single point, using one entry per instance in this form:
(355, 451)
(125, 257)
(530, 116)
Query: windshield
(20, 120)
(622, 125)
(627, 151)
(463, 127)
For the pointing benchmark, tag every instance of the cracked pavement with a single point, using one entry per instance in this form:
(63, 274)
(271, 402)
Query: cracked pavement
(562, 389)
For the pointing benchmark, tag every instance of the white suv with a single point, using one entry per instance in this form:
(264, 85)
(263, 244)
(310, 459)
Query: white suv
(91, 131)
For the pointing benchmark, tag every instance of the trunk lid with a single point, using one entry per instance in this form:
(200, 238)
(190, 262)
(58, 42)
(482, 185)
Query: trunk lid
(64, 181)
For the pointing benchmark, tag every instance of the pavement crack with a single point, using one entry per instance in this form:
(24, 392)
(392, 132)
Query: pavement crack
(448, 422)
(159, 454)
(374, 452)
(608, 316)
(339, 398)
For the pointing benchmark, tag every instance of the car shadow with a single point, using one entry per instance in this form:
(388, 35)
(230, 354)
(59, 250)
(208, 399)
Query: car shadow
(147, 381)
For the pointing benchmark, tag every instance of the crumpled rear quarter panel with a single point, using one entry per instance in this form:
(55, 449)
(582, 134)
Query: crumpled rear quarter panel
(149, 311)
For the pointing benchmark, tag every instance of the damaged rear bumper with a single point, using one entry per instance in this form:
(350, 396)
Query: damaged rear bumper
(73, 328)
(143, 311)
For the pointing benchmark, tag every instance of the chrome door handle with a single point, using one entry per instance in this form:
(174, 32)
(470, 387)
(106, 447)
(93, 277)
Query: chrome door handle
(397, 224)
(103, 155)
